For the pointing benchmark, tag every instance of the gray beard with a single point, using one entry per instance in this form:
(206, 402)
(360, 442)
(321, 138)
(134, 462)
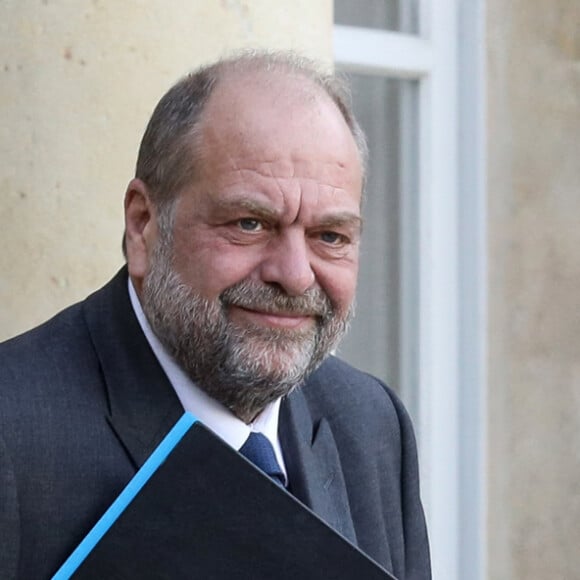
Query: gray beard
(244, 368)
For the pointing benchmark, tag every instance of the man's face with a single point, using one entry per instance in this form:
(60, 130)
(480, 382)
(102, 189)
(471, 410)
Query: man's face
(256, 284)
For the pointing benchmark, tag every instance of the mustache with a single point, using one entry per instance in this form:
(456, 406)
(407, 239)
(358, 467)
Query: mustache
(273, 300)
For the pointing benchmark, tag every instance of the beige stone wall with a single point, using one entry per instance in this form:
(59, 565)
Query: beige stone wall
(78, 81)
(534, 288)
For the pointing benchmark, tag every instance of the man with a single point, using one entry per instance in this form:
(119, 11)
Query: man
(242, 238)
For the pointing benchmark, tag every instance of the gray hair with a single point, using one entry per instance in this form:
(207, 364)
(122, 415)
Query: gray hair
(170, 150)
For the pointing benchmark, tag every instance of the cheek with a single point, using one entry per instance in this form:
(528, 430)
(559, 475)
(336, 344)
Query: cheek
(340, 285)
(210, 269)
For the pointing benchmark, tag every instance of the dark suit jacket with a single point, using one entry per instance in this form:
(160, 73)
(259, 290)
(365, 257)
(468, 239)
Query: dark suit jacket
(83, 402)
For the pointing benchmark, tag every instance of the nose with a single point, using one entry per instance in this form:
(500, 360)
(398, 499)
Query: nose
(288, 264)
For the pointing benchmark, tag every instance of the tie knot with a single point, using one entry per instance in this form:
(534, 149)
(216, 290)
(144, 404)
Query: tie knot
(260, 452)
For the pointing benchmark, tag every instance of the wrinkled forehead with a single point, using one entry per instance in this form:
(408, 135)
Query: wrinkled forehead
(276, 115)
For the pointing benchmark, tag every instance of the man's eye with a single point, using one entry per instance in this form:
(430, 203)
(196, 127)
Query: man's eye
(250, 224)
(333, 238)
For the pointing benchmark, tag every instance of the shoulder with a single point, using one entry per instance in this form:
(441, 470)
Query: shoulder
(62, 336)
(51, 361)
(41, 374)
(42, 345)
(342, 393)
(337, 383)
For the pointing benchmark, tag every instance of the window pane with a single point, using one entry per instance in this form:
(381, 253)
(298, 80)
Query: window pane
(386, 109)
(394, 15)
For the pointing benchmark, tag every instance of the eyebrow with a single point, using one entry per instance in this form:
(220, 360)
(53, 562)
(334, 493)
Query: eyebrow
(256, 208)
(340, 220)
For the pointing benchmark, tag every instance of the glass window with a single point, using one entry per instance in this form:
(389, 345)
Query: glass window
(385, 108)
(393, 15)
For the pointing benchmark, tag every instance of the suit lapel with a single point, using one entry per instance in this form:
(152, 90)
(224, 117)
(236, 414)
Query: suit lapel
(142, 404)
(313, 464)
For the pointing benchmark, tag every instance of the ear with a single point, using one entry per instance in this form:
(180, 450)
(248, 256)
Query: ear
(141, 231)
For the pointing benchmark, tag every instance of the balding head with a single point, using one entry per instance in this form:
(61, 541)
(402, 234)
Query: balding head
(172, 147)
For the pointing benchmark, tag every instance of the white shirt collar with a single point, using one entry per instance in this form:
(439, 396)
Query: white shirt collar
(210, 412)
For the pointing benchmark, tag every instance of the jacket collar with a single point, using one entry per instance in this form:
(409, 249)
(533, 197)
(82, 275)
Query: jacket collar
(313, 463)
(142, 404)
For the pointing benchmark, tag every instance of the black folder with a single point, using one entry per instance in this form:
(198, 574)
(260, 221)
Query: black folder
(199, 510)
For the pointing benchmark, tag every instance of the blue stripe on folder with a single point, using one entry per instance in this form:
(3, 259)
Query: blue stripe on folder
(126, 497)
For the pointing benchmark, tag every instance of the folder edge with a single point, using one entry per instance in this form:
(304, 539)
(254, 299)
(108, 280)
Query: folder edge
(128, 494)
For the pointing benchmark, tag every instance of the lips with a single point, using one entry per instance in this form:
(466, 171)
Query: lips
(276, 319)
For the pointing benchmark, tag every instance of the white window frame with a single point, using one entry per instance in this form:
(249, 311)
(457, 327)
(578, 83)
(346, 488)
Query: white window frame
(443, 259)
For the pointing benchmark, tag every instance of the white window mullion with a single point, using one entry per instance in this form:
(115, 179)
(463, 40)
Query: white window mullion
(473, 285)
(379, 52)
(437, 351)
(438, 330)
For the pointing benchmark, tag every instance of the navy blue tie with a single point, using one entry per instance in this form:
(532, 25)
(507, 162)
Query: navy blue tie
(260, 452)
